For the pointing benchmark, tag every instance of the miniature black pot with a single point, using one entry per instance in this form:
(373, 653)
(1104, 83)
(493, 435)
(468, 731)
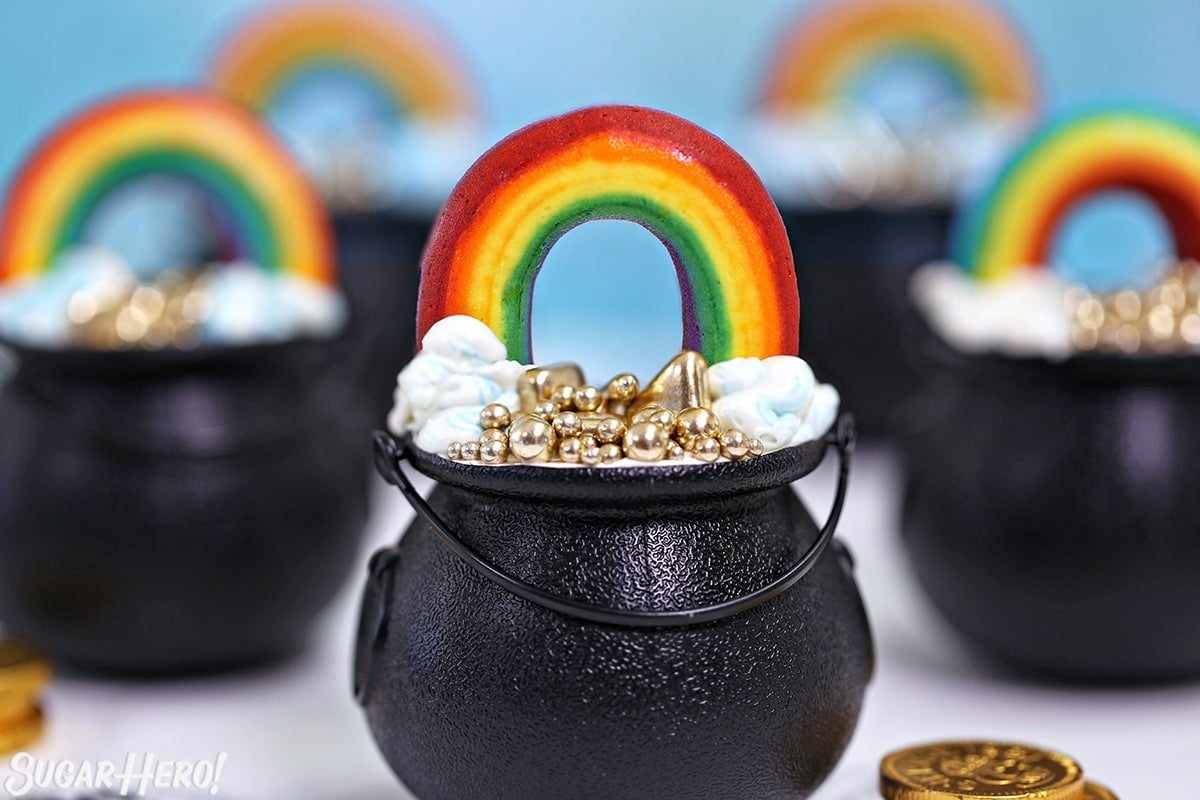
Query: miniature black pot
(653, 632)
(379, 263)
(858, 262)
(169, 512)
(1051, 510)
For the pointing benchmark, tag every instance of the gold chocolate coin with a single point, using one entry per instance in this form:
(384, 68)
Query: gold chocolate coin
(21, 733)
(1094, 791)
(989, 770)
(22, 668)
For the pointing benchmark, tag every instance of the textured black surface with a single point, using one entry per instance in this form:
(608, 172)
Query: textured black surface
(853, 269)
(1051, 511)
(379, 258)
(176, 512)
(472, 692)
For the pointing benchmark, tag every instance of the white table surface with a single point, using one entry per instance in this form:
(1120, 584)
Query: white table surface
(292, 732)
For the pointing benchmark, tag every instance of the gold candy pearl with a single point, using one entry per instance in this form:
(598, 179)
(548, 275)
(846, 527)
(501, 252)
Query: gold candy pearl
(734, 444)
(493, 452)
(656, 414)
(588, 398)
(493, 435)
(531, 439)
(622, 387)
(570, 449)
(536, 383)
(673, 451)
(756, 447)
(589, 440)
(590, 456)
(494, 416)
(567, 423)
(610, 453)
(454, 451)
(545, 409)
(696, 423)
(470, 451)
(707, 449)
(610, 430)
(563, 397)
(646, 441)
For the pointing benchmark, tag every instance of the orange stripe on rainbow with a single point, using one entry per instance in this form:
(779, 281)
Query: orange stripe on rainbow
(617, 162)
(278, 220)
(401, 55)
(833, 43)
(1011, 225)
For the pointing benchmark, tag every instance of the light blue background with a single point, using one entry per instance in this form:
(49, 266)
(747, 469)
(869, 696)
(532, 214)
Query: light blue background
(608, 282)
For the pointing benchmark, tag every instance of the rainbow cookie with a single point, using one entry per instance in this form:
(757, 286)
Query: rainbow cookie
(1010, 226)
(397, 56)
(617, 162)
(830, 46)
(269, 213)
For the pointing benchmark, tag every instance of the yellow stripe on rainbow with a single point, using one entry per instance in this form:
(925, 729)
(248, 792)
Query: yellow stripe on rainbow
(690, 189)
(400, 55)
(1011, 225)
(279, 222)
(835, 42)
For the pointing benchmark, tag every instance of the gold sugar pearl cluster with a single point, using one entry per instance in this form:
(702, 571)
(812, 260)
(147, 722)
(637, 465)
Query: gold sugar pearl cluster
(150, 316)
(563, 418)
(1162, 319)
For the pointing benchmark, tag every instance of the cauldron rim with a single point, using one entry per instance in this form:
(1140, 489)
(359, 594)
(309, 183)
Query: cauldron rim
(1110, 368)
(79, 361)
(664, 482)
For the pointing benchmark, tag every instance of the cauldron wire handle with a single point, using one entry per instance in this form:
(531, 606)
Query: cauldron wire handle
(388, 456)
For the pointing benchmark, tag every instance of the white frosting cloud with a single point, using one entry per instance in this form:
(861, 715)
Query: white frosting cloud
(1025, 314)
(776, 399)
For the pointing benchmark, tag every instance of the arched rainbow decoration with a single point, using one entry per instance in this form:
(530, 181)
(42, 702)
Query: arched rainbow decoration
(1011, 225)
(397, 54)
(275, 217)
(677, 180)
(832, 44)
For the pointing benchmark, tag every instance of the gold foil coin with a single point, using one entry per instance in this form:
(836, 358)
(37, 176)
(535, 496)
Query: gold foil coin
(22, 668)
(1094, 791)
(989, 770)
(19, 734)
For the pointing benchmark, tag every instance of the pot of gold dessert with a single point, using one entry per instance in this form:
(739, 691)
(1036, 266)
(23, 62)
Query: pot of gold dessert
(613, 590)
(182, 483)
(867, 131)
(1048, 508)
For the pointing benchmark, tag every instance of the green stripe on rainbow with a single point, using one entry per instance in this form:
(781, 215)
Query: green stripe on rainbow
(276, 219)
(1011, 225)
(680, 182)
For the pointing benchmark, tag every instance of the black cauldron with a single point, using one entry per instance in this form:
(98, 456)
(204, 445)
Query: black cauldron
(169, 512)
(859, 263)
(379, 266)
(653, 632)
(1051, 510)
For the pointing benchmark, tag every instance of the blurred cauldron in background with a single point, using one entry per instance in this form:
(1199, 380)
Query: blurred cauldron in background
(859, 262)
(379, 269)
(1050, 510)
(176, 511)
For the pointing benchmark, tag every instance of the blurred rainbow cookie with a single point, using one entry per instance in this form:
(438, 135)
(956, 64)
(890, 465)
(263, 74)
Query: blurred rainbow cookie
(373, 101)
(1001, 291)
(892, 102)
(269, 265)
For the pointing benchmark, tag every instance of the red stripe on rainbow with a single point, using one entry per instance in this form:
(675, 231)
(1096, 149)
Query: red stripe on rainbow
(617, 162)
